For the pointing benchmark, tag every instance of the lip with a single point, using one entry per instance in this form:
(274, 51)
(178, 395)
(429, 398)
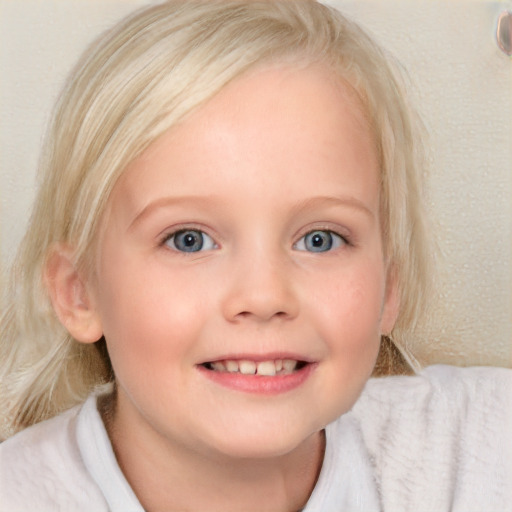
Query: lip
(261, 357)
(259, 384)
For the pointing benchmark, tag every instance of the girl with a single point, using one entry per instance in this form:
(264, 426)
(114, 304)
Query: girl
(228, 233)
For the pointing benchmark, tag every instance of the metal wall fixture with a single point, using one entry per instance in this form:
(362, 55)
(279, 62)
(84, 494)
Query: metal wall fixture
(504, 32)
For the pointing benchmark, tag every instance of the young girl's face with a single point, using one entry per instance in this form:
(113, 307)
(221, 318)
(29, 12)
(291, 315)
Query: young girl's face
(246, 240)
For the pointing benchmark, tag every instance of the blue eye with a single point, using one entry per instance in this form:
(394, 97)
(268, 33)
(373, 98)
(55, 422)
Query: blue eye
(319, 241)
(190, 240)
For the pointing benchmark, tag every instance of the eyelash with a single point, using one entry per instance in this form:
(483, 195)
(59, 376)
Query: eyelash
(333, 239)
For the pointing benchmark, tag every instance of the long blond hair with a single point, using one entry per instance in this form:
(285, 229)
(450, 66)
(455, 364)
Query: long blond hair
(136, 81)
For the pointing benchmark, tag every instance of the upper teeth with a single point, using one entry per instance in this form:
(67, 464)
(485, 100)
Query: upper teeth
(247, 367)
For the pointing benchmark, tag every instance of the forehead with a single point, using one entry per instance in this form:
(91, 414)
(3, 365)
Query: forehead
(297, 116)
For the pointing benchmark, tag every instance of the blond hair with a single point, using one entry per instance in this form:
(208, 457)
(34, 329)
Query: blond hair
(136, 81)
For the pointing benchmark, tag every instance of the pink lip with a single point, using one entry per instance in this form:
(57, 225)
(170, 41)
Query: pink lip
(259, 384)
(270, 356)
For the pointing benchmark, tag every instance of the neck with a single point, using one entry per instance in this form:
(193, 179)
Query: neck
(168, 477)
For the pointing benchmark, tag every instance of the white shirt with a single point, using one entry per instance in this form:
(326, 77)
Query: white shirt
(440, 441)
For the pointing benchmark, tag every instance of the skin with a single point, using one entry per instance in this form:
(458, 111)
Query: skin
(277, 154)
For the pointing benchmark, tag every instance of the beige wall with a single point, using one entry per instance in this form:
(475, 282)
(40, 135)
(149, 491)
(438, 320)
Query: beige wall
(462, 82)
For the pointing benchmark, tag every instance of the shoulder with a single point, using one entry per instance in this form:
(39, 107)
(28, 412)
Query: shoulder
(454, 393)
(441, 440)
(441, 387)
(41, 469)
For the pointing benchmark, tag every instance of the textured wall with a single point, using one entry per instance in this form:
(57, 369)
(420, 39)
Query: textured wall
(463, 85)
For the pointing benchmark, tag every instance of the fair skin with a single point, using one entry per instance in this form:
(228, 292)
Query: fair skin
(246, 239)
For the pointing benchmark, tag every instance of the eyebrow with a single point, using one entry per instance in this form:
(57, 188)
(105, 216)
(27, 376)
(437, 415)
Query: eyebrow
(168, 201)
(345, 201)
(306, 204)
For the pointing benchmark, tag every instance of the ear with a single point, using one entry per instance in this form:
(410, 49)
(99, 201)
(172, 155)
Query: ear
(70, 296)
(391, 305)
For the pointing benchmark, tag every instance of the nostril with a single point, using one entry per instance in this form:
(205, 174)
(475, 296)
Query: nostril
(262, 315)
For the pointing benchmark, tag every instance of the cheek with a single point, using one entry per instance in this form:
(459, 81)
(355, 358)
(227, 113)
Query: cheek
(150, 318)
(350, 308)
(347, 311)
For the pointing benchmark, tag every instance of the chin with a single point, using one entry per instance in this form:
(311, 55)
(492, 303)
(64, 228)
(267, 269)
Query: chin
(258, 444)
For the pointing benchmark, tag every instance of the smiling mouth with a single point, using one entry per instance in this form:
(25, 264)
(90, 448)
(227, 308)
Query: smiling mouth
(268, 368)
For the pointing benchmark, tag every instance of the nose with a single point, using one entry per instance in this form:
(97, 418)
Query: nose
(261, 288)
